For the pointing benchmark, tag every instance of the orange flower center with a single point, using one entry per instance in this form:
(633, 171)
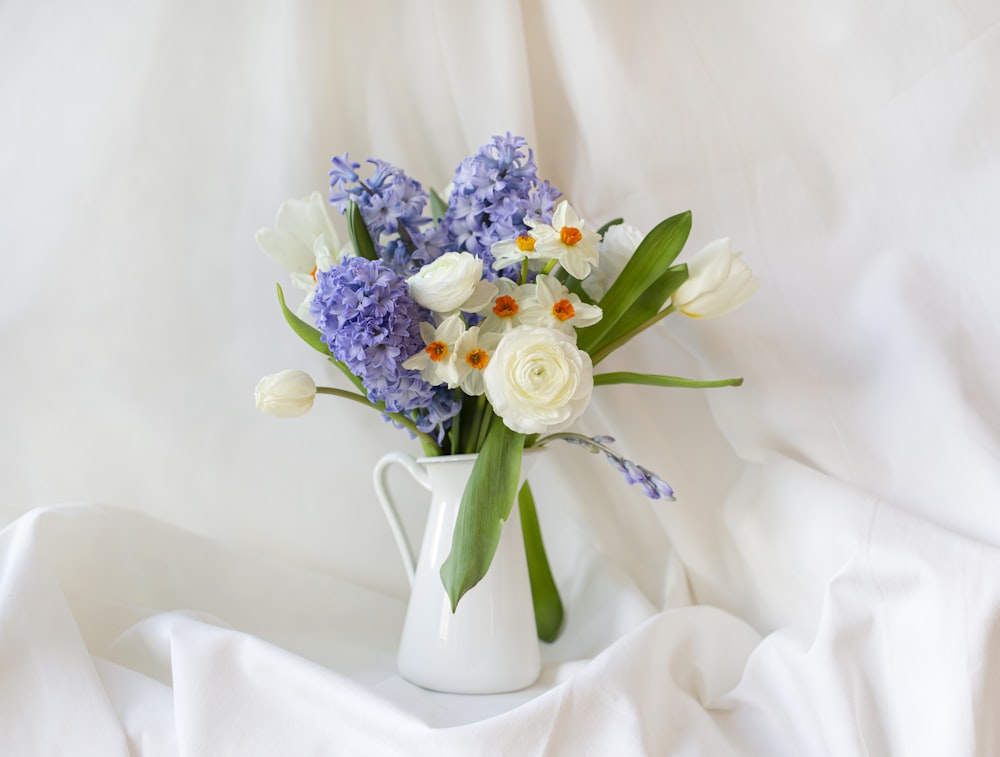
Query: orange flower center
(437, 350)
(506, 306)
(570, 235)
(563, 310)
(314, 271)
(525, 243)
(477, 359)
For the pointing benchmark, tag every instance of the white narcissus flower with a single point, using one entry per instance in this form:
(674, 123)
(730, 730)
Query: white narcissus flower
(436, 362)
(718, 282)
(567, 239)
(616, 249)
(538, 381)
(555, 307)
(505, 311)
(287, 394)
(452, 282)
(473, 352)
(511, 251)
(303, 242)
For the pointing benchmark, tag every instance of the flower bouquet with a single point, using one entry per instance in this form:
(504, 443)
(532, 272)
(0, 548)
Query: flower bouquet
(475, 321)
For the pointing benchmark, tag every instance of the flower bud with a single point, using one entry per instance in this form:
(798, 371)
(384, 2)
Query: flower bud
(718, 282)
(286, 394)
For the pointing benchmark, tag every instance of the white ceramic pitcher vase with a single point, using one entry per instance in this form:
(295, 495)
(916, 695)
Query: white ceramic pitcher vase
(489, 644)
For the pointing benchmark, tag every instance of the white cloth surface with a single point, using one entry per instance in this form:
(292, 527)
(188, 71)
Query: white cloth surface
(828, 582)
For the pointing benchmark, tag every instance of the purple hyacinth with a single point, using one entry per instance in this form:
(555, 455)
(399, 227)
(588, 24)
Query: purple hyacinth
(368, 320)
(494, 191)
(392, 205)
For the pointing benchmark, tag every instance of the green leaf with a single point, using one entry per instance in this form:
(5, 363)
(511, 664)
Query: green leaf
(652, 379)
(638, 317)
(650, 301)
(651, 260)
(360, 237)
(544, 594)
(438, 206)
(313, 338)
(309, 335)
(486, 503)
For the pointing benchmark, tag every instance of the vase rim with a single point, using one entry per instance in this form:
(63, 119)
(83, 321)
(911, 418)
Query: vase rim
(467, 456)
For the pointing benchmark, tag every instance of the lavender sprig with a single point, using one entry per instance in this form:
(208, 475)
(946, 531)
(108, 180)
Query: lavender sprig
(652, 485)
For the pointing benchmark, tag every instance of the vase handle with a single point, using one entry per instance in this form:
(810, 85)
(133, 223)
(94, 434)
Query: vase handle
(389, 507)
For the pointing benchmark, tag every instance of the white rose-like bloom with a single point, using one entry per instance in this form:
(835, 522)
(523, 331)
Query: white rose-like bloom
(718, 282)
(452, 282)
(286, 394)
(538, 381)
(616, 249)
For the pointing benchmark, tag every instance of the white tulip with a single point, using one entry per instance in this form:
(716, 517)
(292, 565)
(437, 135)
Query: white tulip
(538, 381)
(616, 250)
(303, 242)
(718, 282)
(452, 282)
(286, 394)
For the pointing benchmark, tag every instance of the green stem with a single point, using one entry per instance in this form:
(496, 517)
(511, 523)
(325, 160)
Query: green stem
(484, 427)
(611, 347)
(550, 265)
(524, 272)
(477, 418)
(426, 440)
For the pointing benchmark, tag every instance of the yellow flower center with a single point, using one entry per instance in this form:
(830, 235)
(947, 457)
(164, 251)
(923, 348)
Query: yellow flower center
(525, 243)
(506, 306)
(570, 235)
(477, 359)
(563, 310)
(437, 351)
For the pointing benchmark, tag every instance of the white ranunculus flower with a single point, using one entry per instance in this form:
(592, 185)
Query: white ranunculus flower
(718, 282)
(616, 249)
(303, 242)
(538, 381)
(286, 394)
(452, 282)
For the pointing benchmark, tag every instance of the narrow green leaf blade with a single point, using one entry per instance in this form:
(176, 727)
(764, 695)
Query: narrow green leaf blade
(637, 318)
(487, 501)
(313, 338)
(652, 258)
(360, 237)
(438, 206)
(309, 334)
(544, 593)
(649, 302)
(652, 379)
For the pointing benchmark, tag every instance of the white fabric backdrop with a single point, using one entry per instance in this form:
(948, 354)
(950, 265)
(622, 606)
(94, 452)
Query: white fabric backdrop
(182, 575)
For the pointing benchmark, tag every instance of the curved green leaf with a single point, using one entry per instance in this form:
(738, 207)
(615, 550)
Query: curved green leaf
(309, 335)
(360, 237)
(486, 503)
(650, 262)
(544, 593)
(438, 206)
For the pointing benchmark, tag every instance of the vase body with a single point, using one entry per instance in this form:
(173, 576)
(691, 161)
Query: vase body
(489, 644)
